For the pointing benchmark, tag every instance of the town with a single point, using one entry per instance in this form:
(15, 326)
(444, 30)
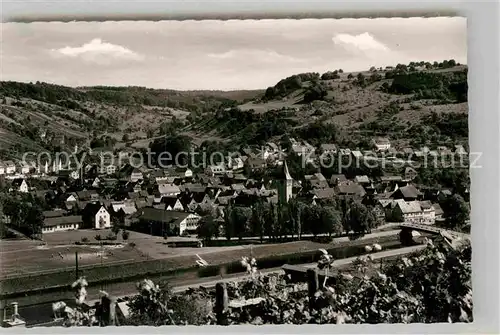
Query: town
(173, 201)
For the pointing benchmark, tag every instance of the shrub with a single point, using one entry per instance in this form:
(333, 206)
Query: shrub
(125, 235)
(85, 239)
(98, 237)
(111, 237)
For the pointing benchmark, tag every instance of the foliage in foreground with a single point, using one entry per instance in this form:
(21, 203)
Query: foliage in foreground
(429, 286)
(433, 285)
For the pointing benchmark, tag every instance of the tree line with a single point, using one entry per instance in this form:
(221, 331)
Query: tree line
(277, 220)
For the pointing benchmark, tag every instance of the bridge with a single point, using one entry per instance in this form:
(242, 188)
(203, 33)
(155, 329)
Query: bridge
(408, 227)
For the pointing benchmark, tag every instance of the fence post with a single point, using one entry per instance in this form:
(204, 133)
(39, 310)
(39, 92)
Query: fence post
(108, 308)
(221, 303)
(312, 285)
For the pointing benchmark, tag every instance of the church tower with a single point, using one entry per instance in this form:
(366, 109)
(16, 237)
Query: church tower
(285, 184)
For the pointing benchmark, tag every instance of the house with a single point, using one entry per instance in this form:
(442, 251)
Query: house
(318, 181)
(168, 190)
(407, 152)
(328, 149)
(350, 189)
(381, 143)
(10, 167)
(362, 180)
(2, 168)
(160, 222)
(235, 163)
(20, 185)
(410, 173)
(408, 193)
(136, 175)
(357, 155)
(428, 212)
(172, 204)
(460, 150)
(345, 151)
(184, 172)
(438, 211)
(23, 167)
(96, 216)
(61, 223)
(215, 169)
(413, 212)
(322, 194)
(337, 179)
(255, 162)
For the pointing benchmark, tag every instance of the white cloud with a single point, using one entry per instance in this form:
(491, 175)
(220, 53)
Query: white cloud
(98, 51)
(362, 42)
(255, 55)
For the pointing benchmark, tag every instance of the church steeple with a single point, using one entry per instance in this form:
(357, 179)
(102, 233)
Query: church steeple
(285, 184)
(285, 172)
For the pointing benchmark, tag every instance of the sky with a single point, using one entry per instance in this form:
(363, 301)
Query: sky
(219, 55)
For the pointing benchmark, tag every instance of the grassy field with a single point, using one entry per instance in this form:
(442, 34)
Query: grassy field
(57, 251)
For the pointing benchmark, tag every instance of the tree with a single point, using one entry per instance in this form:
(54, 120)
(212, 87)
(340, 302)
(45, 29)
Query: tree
(331, 222)
(456, 212)
(240, 216)
(228, 222)
(125, 138)
(312, 219)
(350, 76)
(296, 209)
(208, 228)
(258, 219)
(359, 219)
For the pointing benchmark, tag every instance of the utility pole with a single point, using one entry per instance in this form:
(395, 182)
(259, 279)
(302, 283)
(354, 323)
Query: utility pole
(76, 264)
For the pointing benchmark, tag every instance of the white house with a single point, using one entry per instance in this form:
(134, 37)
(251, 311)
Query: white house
(215, 169)
(184, 172)
(136, 175)
(10, 167)
(20, 185)
(61, 223)
(413, 211)
(23, 168)
(96, 216)
(168, 190)
(381, 144)
(328, 149)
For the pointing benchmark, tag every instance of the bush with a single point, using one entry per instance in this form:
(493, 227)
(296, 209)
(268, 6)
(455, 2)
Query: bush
(111, 237)
(85, 240)
(125, 235)
(132, 244)
(98, 237)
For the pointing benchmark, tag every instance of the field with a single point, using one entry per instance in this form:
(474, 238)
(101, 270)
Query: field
(57, 252)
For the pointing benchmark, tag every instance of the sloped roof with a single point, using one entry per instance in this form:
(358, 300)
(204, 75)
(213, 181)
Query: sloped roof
(409, 191)
(362, 179)
(409, 207)
(324, 193)
(350, 189)
(55, 221)
(158, 215)
(168, 188)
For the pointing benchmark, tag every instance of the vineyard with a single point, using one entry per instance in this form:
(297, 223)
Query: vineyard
(428, 286)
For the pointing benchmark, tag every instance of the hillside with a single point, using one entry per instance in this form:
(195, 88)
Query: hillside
(45, 116)
(414, 104)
